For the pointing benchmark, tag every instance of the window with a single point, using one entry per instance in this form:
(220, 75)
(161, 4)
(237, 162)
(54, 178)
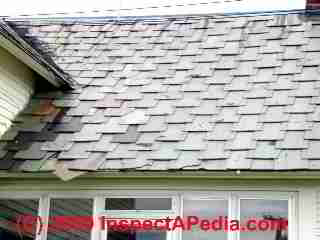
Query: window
(84, 215)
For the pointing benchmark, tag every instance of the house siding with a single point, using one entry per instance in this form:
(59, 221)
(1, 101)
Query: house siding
(16, 88)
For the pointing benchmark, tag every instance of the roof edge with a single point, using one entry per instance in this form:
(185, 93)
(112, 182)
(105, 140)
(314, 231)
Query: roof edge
(17, 46)
(232, 174)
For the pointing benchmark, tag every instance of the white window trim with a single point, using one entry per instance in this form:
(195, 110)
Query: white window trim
(177, 204)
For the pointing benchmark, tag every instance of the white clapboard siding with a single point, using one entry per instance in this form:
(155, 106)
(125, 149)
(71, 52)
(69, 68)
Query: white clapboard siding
(16, 88)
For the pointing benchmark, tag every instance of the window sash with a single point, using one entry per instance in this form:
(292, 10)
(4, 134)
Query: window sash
(233, 198)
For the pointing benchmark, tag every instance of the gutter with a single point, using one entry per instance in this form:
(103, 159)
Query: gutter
(17, 46)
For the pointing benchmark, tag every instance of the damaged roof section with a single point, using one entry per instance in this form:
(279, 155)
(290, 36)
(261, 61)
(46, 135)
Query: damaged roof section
(33, 57)
(186, 93)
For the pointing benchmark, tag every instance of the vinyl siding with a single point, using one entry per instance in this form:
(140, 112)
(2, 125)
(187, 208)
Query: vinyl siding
(16, 88)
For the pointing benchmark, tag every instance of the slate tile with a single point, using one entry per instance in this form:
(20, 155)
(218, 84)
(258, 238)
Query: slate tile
(148, 101)
(32, 153)
(265, 150)
(312, 46)
(311, 59)
(108, 102)
(200, 124)
(292, 53)
(193, 142)
(154, 87)
(248, 123)
(207, 107)
(214, 92)
(259, 91)
(226, 62)
(179, 116)
(289, 67)
(306, 89)
(270, 132)
(130, 136)
(91, 94)
(230, 48)
(268, 61)
(233, 99)
(308, 74)
(314, 133)
(180, 77)
(264, 75)
(162, 108)
(293, 140)
(221, 132)
(242, 141)
(291, 159)
(227, 115)
(97, 117)
(250, 54)
(121, 152)
(213, 42)
(301, 105)
(284, 82)
(89, 132)
(272, 46)
(104, 144)
(82, 109)
(280, 98)
(313, 151)
(7, 161)
(63, 142)
(215, 151)
(208, 56)
(275, 114)
(74, 125)
(186, 160)
(166, 152)
(174, 133)
(220, 77)
(66, 102)
(238, 84)
(135, 117)
(155, 124)
(113, 126)
(253, 106)
(239, 160)
(187, 102)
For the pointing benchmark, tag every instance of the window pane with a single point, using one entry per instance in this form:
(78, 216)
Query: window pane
(137, 235)
(138, 203)
(70, 219)
(205, 210)
(14, 225)
(263, 210)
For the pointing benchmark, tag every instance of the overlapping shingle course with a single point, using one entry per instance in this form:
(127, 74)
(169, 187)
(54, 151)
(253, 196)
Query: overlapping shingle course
(185, 93)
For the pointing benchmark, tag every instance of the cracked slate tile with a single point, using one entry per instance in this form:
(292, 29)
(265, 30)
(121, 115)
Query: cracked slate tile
(77, 151)
(280, 98)
(72, 125)
(290, 160)
(227, 115)
(308, 74)
(264, 75)
(200, 124)
(186, 159)
(82, 109)
(238, 84)
(213, 92)
(313, 152)
(91, 94)
(233, 99)
(121, 152)
(289, 67)
(314, 132)
(163, 108)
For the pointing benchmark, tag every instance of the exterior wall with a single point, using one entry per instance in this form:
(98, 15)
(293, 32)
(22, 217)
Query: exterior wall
(307, 206)
(16, 88)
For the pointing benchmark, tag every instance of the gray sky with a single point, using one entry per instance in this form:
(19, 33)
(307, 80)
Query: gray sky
(17, 7)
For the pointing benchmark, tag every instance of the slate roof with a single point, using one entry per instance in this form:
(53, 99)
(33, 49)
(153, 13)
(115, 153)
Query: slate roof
(174, 93)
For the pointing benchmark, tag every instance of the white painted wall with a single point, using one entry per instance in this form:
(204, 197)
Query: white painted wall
(16, 88)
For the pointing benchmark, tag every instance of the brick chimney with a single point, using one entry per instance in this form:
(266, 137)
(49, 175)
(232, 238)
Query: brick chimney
(313, 5)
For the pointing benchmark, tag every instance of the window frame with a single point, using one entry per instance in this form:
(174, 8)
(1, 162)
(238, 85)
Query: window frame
(99, 196)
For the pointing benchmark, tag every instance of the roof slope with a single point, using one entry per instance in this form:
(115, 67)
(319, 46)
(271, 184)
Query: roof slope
(184, 93)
